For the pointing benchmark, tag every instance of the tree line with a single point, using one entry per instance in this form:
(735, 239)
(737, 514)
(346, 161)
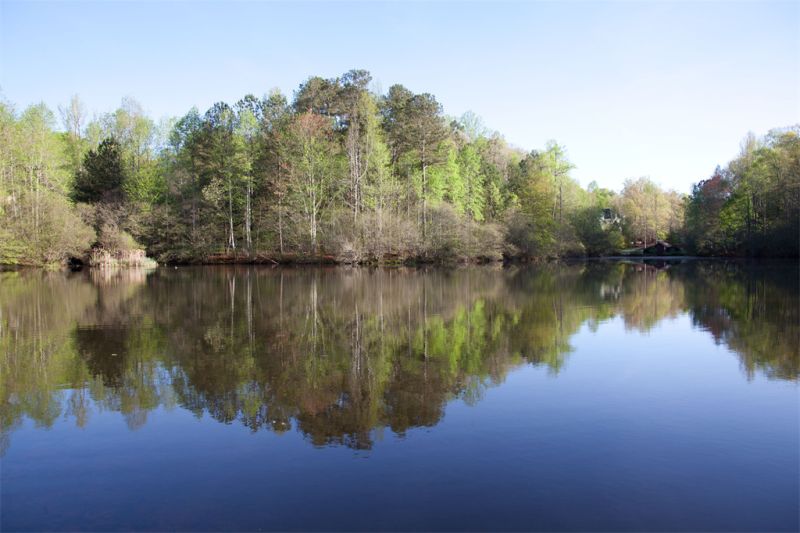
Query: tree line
(345, 174)
(752, 206)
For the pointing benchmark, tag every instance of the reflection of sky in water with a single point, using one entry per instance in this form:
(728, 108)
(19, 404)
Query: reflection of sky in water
(642, 421)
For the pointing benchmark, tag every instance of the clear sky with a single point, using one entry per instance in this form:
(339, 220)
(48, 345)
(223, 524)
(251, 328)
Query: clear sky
(665, 90)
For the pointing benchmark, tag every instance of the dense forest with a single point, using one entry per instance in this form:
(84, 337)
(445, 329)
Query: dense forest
(343, 174)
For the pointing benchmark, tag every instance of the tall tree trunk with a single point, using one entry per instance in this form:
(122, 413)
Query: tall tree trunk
(354, 160)
(280, 224)
(424, 193)
(314, 221)
(645, 228)
(248, 217)
(231, 239)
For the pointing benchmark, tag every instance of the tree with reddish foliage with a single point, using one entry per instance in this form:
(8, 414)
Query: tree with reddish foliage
(703, 209)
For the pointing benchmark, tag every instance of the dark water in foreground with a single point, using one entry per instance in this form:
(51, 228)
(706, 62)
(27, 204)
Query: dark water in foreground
(601, 396)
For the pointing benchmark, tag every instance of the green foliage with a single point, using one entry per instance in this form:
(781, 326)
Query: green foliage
(443, 181)
(473, 182)
(342, 173)
(537, 225)
(147, 187)
(38, 224)
(598, 236)
(313, 163)
(102, 176)
(529, 236)
(752, 207)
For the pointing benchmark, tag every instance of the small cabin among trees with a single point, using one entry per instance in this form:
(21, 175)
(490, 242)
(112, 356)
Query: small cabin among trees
(662, 248)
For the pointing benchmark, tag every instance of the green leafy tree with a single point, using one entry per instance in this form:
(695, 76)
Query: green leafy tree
(38, 223)
(416, 126)
(531, 223)
(102, 176)
(224, 162)
(313, 166)
(471, 174)
(73, 118)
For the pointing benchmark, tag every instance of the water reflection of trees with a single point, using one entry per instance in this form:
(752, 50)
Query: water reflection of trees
(753, 308)
(341, 354)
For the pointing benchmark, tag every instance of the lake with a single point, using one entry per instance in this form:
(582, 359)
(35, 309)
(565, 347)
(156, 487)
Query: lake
(594, 396)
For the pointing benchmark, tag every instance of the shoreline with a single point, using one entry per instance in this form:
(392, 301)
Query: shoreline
(330, 262)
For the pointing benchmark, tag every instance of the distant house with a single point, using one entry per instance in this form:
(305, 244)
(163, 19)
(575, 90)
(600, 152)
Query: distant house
(662, 248)
(609, 217)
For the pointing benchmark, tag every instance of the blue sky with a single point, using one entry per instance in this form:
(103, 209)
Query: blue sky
(658, 89)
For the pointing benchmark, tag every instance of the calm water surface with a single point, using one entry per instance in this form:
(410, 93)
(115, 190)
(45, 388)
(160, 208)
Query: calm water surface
(602, 396)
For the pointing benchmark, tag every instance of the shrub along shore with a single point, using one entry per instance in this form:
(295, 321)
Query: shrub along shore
(340, 174)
